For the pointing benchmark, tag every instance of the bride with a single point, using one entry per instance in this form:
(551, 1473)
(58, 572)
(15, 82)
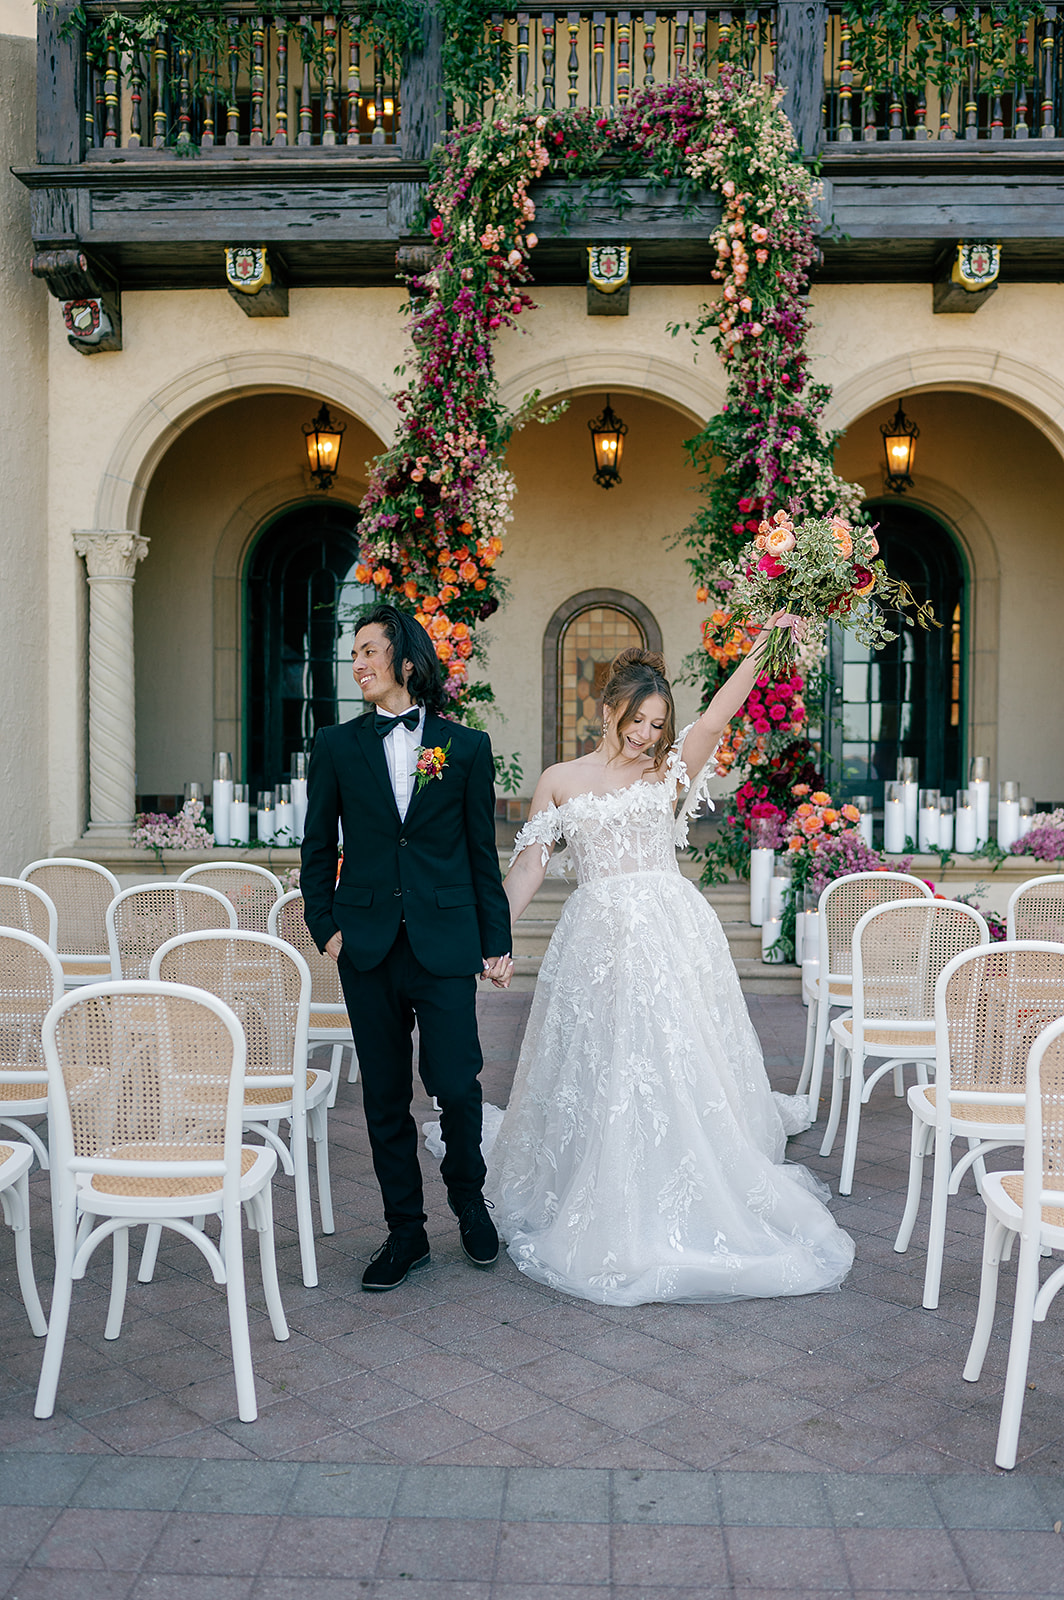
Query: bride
(641, 1155)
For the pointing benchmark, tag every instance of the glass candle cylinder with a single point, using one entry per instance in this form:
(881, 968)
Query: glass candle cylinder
(965, 831)
(299, 795)
(771, 930)
(761, 861)
(283, 820)
(1008, 814)
(979, 790)
(945, 822)
(893, 819)
(193, 791)
(908, 777)
(264, 819)
(863, 803)
(927, 837)
(1026, 814)
(240, 816)
(222, 797)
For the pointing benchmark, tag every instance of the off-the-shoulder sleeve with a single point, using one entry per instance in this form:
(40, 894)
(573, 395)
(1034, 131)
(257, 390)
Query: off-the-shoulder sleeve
(544, 829)
(697, 787)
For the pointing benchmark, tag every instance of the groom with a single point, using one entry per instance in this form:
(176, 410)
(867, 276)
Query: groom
(417, 914)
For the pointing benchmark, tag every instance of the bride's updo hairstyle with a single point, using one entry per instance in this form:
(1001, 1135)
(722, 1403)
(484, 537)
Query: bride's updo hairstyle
(635, 675)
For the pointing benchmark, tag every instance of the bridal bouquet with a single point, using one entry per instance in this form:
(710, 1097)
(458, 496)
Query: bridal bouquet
(822, 570)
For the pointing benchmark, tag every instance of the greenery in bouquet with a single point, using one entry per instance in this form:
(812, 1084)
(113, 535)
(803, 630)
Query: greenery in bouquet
(822, 569)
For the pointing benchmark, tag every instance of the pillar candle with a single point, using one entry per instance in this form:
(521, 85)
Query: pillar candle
(1008, 815)
(771, 930)
(927, 838)
(945, 823)
(965, 822)
(283, 815)
(1026, 814)
(760, 878)
(240, 816)
(264, 820)
(894, 820)
(863, 802)
(908, 777)
(777, 889)
(979, 791)
(299, 807)
(222, 796)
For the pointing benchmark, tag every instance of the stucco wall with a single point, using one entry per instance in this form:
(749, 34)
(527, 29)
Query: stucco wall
(23, 507)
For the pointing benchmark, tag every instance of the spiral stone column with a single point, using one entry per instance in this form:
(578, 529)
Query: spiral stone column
(111, 559)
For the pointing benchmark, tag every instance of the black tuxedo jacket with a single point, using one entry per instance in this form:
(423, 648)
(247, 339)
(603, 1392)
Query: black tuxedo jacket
(438, 868)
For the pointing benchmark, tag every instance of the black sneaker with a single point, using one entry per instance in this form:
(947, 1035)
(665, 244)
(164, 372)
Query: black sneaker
(397, 1256)
(476, 1230)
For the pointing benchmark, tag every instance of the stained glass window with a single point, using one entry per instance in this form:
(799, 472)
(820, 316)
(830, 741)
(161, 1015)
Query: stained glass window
(588, 644)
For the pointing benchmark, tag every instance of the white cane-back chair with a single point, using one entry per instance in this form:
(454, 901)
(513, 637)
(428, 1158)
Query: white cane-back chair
(329, 1021)
(899, 949)
(15, 1162)
(842, 905)
(31, 981)
(1036, 910)
(147, 1094)
(1029, 1203)
(990, 1005)
(140, 920)
(267, 985)
(81, 891)
(252, 891)
(24, 906)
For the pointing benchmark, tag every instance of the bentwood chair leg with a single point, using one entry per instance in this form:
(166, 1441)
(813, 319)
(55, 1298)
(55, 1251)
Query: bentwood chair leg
(1019, 1353)
(119, 1282)
(17, 1209)
(853, 1122)
(59, 1318)
(816, 1078)
(807, 1055)
(936, 1238)
(336, 1061)
(149, 1253)
(838, 1072)
(304, 1216)
(240, 1338)
(318, 1122)
(922, 1135)
(261, 1213)
(993, 1237)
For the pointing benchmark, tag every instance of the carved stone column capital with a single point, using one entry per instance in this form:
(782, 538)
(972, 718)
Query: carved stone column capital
(110, 553)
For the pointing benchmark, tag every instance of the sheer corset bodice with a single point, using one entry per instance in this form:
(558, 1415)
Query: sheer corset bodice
(610, 835)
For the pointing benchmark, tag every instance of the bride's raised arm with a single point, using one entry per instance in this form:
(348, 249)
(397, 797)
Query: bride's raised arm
(533, 846)
(705, 734)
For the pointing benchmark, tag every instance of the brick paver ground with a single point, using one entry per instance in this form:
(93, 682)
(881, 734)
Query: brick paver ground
(474, 1436)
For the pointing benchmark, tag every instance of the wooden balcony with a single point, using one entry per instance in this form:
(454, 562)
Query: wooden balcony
(295, 131)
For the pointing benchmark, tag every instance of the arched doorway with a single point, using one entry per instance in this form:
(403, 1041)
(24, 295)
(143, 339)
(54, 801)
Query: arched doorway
(299, 595)
(581, 640)
(908, 699)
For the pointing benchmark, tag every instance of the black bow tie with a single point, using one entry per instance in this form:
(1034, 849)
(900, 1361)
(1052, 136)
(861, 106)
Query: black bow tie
(383, 725)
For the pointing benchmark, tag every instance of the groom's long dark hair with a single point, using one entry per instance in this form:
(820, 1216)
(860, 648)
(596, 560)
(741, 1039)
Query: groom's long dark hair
(409, 642)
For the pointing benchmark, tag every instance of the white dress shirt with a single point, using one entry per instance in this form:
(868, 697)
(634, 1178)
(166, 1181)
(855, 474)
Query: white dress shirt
(400, 752)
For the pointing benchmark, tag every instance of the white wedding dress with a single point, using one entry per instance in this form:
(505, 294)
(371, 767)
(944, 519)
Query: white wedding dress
(640, 1158)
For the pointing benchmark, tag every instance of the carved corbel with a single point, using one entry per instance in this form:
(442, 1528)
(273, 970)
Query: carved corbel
(608, 267)
(256, 281)
(89, 295)
(968, 277)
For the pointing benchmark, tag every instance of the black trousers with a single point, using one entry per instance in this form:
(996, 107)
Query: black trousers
(383, 1005)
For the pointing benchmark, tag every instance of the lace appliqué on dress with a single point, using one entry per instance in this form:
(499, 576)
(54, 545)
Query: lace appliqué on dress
(697, 790)
(544, 829)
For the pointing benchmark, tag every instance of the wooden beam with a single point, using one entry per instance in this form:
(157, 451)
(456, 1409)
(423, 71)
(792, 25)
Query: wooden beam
(800, 66)
(59, 69)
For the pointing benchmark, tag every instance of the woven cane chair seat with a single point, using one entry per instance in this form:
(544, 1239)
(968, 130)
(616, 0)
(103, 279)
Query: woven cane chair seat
(274, 1097)
(1012, 1183)
(6, 1152)
(251, 891)
(165, 1188)
(337, 1020)
(895, 1039)
(993, 1116)
(12, 1092)
(86, 968)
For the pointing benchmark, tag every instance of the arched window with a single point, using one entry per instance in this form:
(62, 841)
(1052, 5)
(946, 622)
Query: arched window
(910, 698)
(581, 640)
(299, 589)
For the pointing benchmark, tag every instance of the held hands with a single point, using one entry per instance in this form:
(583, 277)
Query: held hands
(500, 969)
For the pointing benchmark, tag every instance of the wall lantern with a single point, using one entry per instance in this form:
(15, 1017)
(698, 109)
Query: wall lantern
(324, 437)
(899, 444)
(607, 438)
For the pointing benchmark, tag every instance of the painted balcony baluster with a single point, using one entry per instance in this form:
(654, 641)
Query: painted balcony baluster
(598, 55)
(354, 85)
(1021, 128)
(650, 22)
(1048, 42)
(306, 114)
(160, 60)
(679, 44)
(547, 34)
(258, 77)
(184, 98)
(136, 98)
(521, 54)
(232, 106)
(378, 98)
(572, 22)
(328, 110)
(624, 57)
(111, 133)
(698, 51)
(280, 116)
(845, 133)
(971, 104)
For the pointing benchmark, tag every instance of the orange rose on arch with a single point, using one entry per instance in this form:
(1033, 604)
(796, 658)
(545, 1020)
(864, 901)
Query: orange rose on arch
(440, 627)
(468, 571)
(464, 648)
(444, 649)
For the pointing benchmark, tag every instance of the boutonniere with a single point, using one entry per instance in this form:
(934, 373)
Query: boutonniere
(431, 760)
